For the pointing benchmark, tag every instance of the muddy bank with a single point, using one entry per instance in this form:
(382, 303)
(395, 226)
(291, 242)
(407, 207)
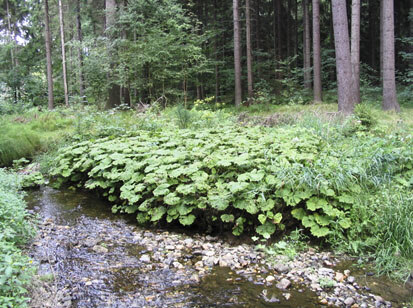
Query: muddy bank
(88, 257)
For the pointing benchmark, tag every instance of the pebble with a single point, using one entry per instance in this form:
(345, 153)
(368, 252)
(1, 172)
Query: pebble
(145, 258)
(270, 278)
(281, 268)
(349, 301)
(283, 284)
(339, 277)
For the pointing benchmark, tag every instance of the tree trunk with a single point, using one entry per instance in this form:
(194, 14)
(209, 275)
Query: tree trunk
(317, 52)
(48, 56)
(62, 40)
(13, 61)
(279, 37)
(381, 38)
(216, 54)
(355, 48)
(80, 51)
(411, 35)
(114, 97)
(307, 46)
(237, 55)
(249, 54)
(296, 33)
(373, 33)
(389, 79)
(343, 60)
(288, 29)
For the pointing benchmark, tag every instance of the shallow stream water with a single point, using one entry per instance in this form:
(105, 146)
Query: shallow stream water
(98, 259)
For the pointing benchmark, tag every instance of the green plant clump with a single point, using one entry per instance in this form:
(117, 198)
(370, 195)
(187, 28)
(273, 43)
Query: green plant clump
(15, 271)
(257, 178)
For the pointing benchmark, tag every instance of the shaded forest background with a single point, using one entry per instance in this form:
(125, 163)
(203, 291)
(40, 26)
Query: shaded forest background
(175, 51)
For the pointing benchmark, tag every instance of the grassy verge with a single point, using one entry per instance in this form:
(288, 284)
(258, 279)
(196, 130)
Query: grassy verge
(15, 269)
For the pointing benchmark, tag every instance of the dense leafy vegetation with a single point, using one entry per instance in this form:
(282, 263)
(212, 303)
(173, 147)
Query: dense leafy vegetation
(15, 271)
(261, 177)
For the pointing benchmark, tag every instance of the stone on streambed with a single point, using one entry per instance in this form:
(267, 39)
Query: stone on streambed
(145, 258)
(283, 284)
(100, 249)
(349, 301)
(281, 268)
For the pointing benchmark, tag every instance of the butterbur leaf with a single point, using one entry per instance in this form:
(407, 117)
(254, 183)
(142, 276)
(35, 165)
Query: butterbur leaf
(262, 218)
(266, 230)
(322, 220)
(319, 232)
(298, 213)
(277, 218)
(161, 190)
(172, 199)
(187, 220)
(315, 203)
(227, 218)
(345, 223)
(158, 213)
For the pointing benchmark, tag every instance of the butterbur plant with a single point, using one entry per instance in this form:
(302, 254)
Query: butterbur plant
(251, 179)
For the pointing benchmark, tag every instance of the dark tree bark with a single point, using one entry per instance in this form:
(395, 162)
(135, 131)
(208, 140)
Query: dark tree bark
(373, 34)
(389, 78)
(343, 60)
(307, 48)
(355, 48)
(80, 51)
(62, 40)
(114, 95)
(11, 36)
(317, 52)
(48, 56)
(249, 53)
(381, 38)
(237, 54)
(217, 88)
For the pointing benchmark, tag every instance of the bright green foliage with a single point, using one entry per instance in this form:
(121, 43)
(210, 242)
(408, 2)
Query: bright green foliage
(14, 230)
(246, 177)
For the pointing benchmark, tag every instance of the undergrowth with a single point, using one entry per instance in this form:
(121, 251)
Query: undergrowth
(15, 269)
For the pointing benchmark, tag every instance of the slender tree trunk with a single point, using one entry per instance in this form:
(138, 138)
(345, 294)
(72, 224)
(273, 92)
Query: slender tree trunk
(381, 37)
(114, 89)
(355, 48)
(288, 28)
(411, 35)
(296, 33)
(10, 39)
(80, 51)
(274, 29)
(279, 37)
(372, 33)
(317, 52)
(249, 53)
(343, 60)
(389, 78)
(217, 92)
(258, 36)
(48, 56)
(237, 54)
(62, 40)
(307, 48)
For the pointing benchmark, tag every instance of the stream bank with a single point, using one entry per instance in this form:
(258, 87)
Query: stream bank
(88, 257)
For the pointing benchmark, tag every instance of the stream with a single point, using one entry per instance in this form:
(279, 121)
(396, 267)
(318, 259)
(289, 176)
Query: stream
(88, 257)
